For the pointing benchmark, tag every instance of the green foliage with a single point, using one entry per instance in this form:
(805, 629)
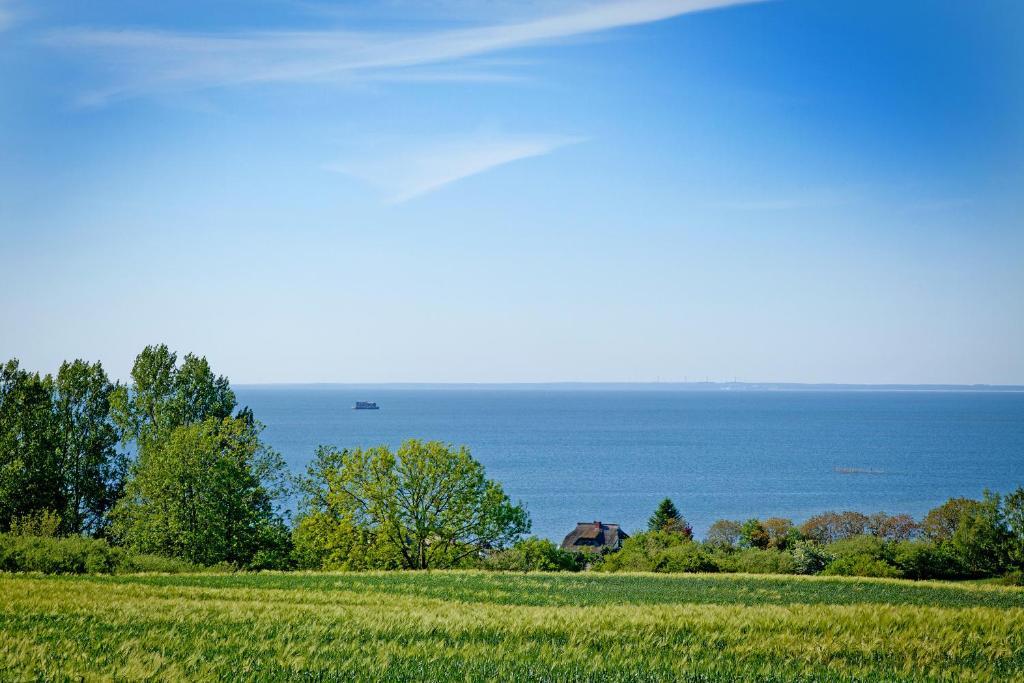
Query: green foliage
(73, 555)
(941, 523)
(92, 469)
(163, 396)
(30, 477)
(1013, 514)
(658, 551)
(42, 523)
(206, 494)
(753, 534)
(534, 554)
(924, 559)
(428, 505)
(861, 556)
(78, 555)
(668, 518)
(810, 557)
(58, 446)
(982, 540)
(757, 561)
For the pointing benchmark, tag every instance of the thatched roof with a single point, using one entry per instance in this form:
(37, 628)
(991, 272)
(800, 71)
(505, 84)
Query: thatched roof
(593, 537)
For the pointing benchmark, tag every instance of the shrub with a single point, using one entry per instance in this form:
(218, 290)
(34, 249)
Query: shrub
(44, 523)
(78, 555)
(861, 565)
(74, 555)
(810, 557)
(534, 554)
(926, 560)
(861, 556)
(658, 551)
(756, 561)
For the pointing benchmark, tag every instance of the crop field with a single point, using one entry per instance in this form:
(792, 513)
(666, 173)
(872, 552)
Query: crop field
(486, 626)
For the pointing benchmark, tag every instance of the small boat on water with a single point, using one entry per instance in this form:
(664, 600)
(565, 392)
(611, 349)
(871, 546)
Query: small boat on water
(365, 405)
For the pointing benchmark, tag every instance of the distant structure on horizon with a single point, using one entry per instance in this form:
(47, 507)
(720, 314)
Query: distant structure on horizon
(365, 405)
(592, 537)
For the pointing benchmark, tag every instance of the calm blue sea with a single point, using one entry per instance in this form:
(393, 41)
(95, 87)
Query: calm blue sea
(585, 454)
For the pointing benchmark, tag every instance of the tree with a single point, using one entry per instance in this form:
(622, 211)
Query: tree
(941, 523)
(781, 532)
(92, 469)
(753, 534)
(893, 527)
(206, 494)
(1013, 513)
(982, 539)
(829, 527)
(667, 518)
(724, 533)
(427, 505)
(30, 476)
(163, 395)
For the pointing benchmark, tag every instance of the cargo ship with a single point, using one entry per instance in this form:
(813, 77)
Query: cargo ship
(365, 405)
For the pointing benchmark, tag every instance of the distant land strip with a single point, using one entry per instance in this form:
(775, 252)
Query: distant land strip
(650, 386)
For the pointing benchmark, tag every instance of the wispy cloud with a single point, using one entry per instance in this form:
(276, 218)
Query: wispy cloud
(415, 169)
(6, 15)
(144, 61)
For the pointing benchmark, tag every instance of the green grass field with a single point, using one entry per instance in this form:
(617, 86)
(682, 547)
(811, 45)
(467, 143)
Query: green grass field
(479, 626)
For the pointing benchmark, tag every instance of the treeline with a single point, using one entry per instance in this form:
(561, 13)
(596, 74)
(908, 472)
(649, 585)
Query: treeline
(166, 472)
(167, 465)
(962, 538)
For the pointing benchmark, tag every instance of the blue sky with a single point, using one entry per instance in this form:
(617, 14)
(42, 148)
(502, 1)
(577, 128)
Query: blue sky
(459, 190)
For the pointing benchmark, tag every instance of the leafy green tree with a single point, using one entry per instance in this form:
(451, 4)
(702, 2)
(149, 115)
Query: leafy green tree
(1013, 513)
(982, 540)
(426, 505)
(30, 476)
(942, 522)
(207, 494)
(164, 395)
(753, 534)
(92, 470)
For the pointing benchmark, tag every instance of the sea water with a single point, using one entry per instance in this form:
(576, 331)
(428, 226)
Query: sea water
(584, 454)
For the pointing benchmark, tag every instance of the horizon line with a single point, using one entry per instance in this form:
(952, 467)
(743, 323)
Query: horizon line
(863, 386)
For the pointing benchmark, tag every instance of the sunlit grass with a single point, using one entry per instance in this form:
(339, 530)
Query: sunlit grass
(474, 626)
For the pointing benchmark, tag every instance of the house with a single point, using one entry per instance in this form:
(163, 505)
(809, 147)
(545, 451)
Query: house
(594, 537)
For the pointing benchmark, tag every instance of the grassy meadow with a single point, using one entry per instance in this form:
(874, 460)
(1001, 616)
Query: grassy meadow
(475, 626)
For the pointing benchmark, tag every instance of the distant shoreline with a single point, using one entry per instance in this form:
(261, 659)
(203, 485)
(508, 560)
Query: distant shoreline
(648, 386)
